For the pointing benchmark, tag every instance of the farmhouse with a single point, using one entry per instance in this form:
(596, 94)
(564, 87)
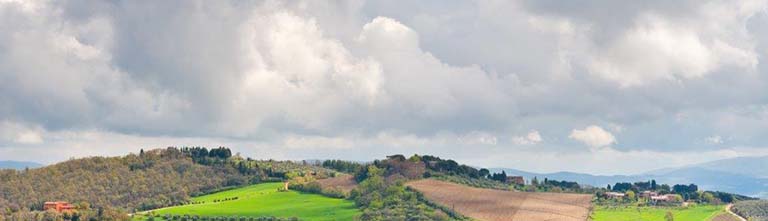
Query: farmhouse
(515, 180)
(614, 195)
(664, 198)
(59, 206)
(648, 194)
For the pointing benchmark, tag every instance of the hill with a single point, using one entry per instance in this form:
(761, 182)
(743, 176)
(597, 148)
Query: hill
(708, 179)
(148, 180)
(18, 165)
(190, 180)
(264, 200)
(747, 166)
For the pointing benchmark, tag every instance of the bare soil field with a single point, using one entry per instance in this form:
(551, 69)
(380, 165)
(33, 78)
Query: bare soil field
(344, 183)
(493, 205)
(725, 217)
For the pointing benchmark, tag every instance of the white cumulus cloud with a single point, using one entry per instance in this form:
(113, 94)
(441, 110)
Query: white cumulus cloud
(532, 137)
(593, 136)
(19, 133)
(716, 139)
(478, 137)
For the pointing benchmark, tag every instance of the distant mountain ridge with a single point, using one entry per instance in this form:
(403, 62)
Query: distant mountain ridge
(749, 166)
(18, 165)
(742, 175)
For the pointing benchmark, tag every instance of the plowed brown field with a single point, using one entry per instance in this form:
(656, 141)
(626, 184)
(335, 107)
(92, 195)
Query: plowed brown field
(344, 183)
(493, 205)
(725, 217)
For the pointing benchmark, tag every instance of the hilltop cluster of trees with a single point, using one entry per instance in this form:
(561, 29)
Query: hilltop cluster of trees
(343, 166)
(567, 185)
(382, 196)
(451, 167)
(501, 177)
(687, 192)
(381, 193)
(413, 167)
(645, 185)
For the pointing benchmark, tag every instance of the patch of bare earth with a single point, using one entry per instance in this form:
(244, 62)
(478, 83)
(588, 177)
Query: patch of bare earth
(345, 183)
(497, 205)
(725, 217)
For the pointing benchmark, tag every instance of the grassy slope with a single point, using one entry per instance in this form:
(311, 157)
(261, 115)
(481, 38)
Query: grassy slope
(696, 213)
(265, 200)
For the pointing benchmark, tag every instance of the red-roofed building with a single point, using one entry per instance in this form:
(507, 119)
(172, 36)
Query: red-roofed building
(59, 206)
(515, 180)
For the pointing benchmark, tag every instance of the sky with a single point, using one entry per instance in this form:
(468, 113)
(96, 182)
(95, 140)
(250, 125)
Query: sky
(596, 86)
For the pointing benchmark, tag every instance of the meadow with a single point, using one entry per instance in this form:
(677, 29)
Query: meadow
(264, 200)
(693, 213)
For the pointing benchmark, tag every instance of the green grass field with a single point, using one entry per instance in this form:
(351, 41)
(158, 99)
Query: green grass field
(693, 213)
(264, 200)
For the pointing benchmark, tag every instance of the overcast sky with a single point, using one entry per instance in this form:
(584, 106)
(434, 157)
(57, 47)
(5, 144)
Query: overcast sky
(598, 86)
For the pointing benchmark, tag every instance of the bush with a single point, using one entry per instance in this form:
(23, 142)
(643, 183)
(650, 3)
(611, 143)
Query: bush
(334, 193)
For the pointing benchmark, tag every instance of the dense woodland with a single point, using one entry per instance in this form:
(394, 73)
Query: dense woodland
(107, 188)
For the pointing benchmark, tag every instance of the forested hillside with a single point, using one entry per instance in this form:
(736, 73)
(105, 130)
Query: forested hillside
(147, 180)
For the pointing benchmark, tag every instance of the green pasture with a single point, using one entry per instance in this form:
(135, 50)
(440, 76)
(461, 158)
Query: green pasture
(630, 213)
(262, 200)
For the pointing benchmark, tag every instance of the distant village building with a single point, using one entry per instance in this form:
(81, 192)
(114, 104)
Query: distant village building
(648, 194)
(519, 180)
(664, 198)
(614, 195)
(59, 206)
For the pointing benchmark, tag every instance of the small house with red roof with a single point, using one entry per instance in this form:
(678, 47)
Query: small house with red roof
(59, 206)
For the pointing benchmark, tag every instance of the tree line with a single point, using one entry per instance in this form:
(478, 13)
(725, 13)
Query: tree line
(686, 192)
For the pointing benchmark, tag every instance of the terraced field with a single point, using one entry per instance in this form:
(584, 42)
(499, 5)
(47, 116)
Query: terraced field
(263, 200)
(497, 205)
